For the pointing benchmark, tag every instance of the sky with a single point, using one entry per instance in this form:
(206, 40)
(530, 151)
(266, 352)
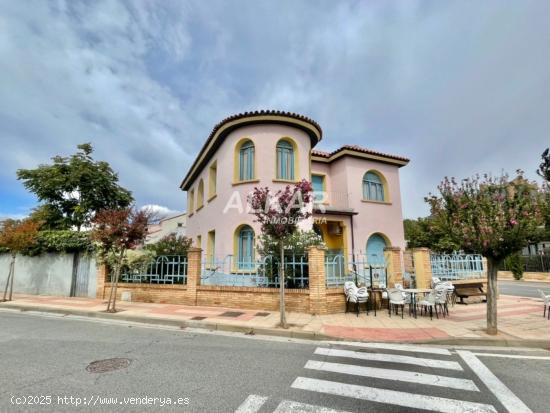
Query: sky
(458, 87)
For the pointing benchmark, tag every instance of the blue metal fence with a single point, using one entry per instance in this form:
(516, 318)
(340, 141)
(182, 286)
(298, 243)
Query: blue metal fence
(164, 269)
(456, 266)
(263, 272)
(356, 268)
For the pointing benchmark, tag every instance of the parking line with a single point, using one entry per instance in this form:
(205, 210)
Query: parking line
(508, 399)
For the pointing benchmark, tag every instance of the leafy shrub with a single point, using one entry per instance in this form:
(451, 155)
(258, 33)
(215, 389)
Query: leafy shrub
(59, 241)
(515, 264)
(171, 245)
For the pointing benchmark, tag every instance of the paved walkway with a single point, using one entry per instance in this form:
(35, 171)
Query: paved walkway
(520, 318)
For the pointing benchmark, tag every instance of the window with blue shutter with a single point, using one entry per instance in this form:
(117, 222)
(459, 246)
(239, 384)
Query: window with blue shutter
(373, 188)
(285, 160)
(318, 182)
(246, 161)
(245, 247)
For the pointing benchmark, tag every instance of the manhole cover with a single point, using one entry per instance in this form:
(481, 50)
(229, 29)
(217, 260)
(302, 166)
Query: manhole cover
(104, 366)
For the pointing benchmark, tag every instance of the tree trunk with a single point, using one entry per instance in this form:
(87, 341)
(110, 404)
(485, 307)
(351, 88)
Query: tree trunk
(10, 276)
(282, 285)
(117, 276)
(492, 271)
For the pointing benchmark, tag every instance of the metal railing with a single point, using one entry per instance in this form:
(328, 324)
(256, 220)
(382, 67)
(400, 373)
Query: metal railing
(263, 272)
(456, 266)
(164, 269)
(356, 268)
(531, 263)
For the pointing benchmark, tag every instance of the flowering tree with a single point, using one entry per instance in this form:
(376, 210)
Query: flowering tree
(494, 217)
(17, 236)
(279, 215)
(116, 231)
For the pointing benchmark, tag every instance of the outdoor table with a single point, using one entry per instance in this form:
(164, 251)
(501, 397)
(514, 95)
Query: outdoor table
(413, 292)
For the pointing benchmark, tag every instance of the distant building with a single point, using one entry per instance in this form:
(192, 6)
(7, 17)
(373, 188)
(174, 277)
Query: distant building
(536, 249)
(175, 224)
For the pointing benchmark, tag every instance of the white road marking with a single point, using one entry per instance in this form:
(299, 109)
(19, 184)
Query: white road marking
(287, 406)
(397, 375)
(511, 356)
(389, 358)
(398, 347)
(398, 398)
(508, 399)
(252, 404)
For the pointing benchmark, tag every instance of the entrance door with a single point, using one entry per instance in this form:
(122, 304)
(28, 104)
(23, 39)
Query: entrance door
(375, 249)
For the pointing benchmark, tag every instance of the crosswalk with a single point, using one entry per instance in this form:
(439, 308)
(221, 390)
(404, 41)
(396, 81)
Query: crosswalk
(401, 377)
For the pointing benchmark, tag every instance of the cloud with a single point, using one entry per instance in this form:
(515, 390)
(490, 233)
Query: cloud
(459, 87)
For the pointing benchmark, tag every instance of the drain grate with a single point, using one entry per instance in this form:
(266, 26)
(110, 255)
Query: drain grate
(198, 318)
(104, 366)
(261, 314)
(231, 314)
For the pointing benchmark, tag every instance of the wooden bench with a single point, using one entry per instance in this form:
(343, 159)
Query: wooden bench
(470, 290)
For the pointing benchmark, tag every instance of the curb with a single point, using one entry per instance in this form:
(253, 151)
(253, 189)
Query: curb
(305, 335)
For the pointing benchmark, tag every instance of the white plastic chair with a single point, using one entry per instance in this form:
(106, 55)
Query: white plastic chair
(546, 301)
(396, 300)
(356, 296)
(429, 302)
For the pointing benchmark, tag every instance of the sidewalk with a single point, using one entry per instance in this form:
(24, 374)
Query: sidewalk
(520, 321)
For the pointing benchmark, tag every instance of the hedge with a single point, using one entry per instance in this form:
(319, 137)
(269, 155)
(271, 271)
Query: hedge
(60, 241)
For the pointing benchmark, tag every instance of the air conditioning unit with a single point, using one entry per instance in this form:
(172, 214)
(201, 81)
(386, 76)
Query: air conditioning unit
(334, 228)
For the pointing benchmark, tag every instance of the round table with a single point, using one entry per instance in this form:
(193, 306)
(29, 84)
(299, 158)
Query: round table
(413, 292)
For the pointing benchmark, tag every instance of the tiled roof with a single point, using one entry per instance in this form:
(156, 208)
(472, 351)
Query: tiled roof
(357, 148)
(267, 112)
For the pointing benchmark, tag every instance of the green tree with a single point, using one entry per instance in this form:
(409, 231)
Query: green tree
(426, 232)
(494, 217)
(171, 244)
(16, 236)
(116, 231)
(544, 173)
(73, 189)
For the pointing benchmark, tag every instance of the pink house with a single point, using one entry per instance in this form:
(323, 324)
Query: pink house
(358, 201)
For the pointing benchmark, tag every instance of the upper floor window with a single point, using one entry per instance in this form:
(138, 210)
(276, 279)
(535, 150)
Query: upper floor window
(245, 247)
(373, 187)
(200, 194)
(190, 201)
(285, 160)
(246, 161)
(318, 183)
(212, 172)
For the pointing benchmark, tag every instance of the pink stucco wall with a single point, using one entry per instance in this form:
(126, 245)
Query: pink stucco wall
(344, 187)
(212, 215)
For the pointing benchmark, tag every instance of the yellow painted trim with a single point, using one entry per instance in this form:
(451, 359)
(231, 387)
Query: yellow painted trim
(200, 194)
(370, 201)
(248, 181)
(296, 160)
(212, 197)
(285, 181)
(191, 201)
(199, 208)
(210, 248)
(387, 198)
(359, 155)
(236, 159)
(236, 122)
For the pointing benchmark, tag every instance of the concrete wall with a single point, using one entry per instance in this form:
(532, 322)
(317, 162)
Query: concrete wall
(48, 274)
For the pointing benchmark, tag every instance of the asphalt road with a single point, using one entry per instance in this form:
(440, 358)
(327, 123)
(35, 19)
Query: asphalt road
(523, 288)
(44, 360)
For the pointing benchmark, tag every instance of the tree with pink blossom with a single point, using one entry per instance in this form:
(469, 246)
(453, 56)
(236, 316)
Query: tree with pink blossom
(495, 217)
(279, 215)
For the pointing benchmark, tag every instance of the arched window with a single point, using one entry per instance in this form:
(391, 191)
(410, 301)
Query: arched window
(200, 194)
(246, 161)
(245, 248)
(285, 160)
(190, 201)
(373, 187)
